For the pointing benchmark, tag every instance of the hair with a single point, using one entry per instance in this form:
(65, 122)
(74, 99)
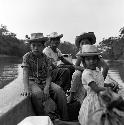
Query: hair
(56, 38)
(90, 39)
(83, 59)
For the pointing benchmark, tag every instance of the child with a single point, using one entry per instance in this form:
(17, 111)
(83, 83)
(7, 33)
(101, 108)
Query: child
(92, 80)
(37, 78)
(76, 84)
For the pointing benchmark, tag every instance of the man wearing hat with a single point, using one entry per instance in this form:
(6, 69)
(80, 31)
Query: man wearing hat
(61, 73)
(37, 79)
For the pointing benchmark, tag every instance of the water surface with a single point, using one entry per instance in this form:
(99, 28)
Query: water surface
(8, 69)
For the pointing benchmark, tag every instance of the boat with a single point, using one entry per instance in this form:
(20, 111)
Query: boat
(22, 108)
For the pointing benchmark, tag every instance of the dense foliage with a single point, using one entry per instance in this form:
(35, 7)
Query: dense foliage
(113, 47)
(9, 44)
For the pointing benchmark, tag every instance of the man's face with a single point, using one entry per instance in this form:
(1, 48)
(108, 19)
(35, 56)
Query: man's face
(37, 47)
(55, 42)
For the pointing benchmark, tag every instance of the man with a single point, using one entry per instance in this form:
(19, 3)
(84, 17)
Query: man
(62, 74)
(37, 79)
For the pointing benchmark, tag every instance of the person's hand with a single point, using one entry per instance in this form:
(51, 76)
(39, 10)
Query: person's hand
(78, 68)
(46, 93)
(69, 99)
(26, 92)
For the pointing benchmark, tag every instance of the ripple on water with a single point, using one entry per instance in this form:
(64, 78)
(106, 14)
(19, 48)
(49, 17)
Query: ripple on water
(8, 73)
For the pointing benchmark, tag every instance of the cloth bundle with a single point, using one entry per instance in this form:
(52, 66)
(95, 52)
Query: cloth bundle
(112, 113)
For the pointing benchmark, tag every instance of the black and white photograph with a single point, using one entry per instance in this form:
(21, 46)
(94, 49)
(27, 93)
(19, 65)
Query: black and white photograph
(61, 62)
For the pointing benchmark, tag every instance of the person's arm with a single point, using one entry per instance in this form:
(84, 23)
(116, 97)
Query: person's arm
(70, 98)
(26, 90)
(104, 66)
(65, 61)
(78, 61)
(25, 66)
(95, 87)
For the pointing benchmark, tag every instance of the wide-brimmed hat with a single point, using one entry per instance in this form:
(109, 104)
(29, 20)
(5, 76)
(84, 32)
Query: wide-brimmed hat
(89, 35)
(37, 37)
(55, 35)
(88, 50)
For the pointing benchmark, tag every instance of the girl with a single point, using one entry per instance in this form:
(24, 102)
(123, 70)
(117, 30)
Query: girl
(77, 91)
(92, 80)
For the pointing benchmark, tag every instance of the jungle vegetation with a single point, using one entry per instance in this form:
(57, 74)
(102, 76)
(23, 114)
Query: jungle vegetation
(111, 48)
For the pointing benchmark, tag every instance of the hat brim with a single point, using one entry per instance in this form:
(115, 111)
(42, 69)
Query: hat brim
(85, 36)
(59, 36)
(44, 39)
(88, 54)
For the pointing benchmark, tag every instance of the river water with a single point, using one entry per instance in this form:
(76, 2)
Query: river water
(9, 69)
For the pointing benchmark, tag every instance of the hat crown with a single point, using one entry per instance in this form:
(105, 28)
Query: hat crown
(36, 35)
(88, 50)
(85, 35)
(55, 35)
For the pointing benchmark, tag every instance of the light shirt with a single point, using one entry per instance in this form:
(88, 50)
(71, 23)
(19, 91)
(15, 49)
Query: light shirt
(92, 75)
(52, 55)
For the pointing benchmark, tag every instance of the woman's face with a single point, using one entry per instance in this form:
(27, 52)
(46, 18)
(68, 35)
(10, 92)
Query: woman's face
(37, 47)
(91, 62)
(85, 42)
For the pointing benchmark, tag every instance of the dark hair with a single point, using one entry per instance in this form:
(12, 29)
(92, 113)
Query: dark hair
(83, 59)
(56, 38)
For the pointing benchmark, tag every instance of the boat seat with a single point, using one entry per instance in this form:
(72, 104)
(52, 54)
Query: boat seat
(36, 120)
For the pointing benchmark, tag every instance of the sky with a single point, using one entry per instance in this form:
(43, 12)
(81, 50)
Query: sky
(68, 17)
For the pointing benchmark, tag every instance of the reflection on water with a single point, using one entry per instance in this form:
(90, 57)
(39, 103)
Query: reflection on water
(117, 67)
(8, 69)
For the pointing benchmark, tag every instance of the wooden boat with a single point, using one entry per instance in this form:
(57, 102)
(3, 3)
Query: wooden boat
(21, 107)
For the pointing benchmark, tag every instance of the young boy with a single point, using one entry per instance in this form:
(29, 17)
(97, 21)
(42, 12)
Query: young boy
(37, 79)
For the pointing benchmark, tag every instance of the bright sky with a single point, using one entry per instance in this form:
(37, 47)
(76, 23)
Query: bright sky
(69, 17)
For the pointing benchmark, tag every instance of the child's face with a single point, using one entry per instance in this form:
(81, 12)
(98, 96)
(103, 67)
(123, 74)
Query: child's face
(91, 62)
(85, 42)
(37, 47)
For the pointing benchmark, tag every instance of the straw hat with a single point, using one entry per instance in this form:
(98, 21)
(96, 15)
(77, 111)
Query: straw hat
(89, 35)
(55, 35)
(88, 50)
(37, 37)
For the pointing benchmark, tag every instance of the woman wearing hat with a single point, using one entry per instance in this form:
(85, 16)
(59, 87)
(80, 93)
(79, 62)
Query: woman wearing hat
(60, 74)
(37, 78)
(76, 83)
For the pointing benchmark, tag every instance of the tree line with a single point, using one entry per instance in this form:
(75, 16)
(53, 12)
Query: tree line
(12, 46)
(111, 48)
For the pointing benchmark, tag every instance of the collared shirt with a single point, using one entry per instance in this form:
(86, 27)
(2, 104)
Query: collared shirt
(38, 66)
(52, 55)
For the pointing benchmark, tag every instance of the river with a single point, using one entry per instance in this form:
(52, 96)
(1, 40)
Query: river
(9, 69)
